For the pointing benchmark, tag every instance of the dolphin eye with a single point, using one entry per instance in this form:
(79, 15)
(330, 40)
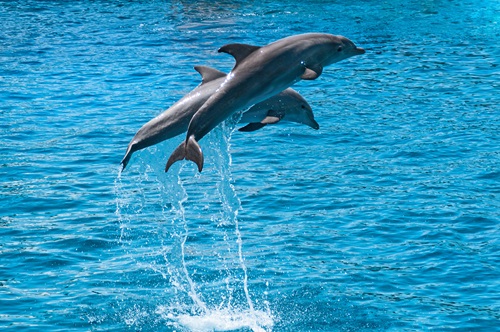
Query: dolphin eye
(303, 107)
(339, 49)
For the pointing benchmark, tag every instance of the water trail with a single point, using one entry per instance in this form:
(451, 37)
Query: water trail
(243, 266)
(154, 228)
(157, 221)
(122, 202)
(239, 240)
(117, 189)
(231, 205)
(226, 316)
(230, 201)
(192, 287)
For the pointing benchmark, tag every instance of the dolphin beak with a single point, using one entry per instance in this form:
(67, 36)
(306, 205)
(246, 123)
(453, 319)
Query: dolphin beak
(359, 51)
(313, 124)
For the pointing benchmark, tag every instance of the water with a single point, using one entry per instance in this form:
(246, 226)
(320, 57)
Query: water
(386, 218)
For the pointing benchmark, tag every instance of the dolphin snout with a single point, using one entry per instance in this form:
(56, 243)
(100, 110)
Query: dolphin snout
(314, 125)
(359, 50)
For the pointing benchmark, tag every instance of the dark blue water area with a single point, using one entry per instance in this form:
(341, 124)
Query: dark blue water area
(384, 219)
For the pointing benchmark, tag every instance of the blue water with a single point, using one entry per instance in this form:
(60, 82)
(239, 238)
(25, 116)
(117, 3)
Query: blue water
(386, 218)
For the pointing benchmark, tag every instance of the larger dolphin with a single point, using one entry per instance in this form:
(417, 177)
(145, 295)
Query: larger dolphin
(259, 73)
(287, 105)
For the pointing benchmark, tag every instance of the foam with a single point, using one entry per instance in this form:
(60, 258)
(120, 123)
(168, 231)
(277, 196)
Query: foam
(226, 320)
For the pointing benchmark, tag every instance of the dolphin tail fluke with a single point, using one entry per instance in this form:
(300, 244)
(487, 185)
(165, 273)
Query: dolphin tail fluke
(177, 155)
(126, 159)
(194, 153)
(189, 150)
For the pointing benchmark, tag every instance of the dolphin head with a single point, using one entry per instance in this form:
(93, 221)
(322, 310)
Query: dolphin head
(303, 115)
(297, 109)
(340, 48)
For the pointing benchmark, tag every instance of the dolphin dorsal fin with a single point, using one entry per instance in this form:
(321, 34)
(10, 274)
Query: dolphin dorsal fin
(208, 73)
(238, 51)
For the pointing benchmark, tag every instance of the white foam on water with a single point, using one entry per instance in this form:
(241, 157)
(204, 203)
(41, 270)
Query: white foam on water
(225, 320)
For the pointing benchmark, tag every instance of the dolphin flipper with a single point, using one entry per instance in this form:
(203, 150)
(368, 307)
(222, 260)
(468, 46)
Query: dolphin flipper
(271, 118)
(312, 72)
(252, 127)
(189, 150)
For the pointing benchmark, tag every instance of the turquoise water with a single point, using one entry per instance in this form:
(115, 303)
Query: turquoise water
(386, 218)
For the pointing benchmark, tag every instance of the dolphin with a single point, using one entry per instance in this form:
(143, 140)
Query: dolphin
(288, 105)
(259, 73)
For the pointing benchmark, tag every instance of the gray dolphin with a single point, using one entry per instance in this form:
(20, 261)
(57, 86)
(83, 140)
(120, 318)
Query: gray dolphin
(287, 105)
(259, 73)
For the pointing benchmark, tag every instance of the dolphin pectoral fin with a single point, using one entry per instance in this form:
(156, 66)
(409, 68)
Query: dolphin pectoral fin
(194, 153)
(178, 154)
(238, 51)
(252, 127)
(208, 73)
(274, 116)
(270, 119)
(312, 73)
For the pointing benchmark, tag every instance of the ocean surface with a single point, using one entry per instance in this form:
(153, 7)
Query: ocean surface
(387, 218)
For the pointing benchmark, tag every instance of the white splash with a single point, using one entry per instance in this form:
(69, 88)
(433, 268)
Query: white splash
(225, 320)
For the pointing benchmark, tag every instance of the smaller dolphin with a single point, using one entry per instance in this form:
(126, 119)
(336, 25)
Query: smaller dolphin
(287, 105)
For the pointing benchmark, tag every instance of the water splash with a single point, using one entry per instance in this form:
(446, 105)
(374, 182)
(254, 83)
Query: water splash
(192, 288)
(204, 292)
(229, 199)
(225, 320)
(231, 316)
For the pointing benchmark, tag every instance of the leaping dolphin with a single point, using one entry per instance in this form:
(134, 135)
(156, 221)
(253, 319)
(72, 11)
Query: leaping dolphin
(288, 105)
(259, 73)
